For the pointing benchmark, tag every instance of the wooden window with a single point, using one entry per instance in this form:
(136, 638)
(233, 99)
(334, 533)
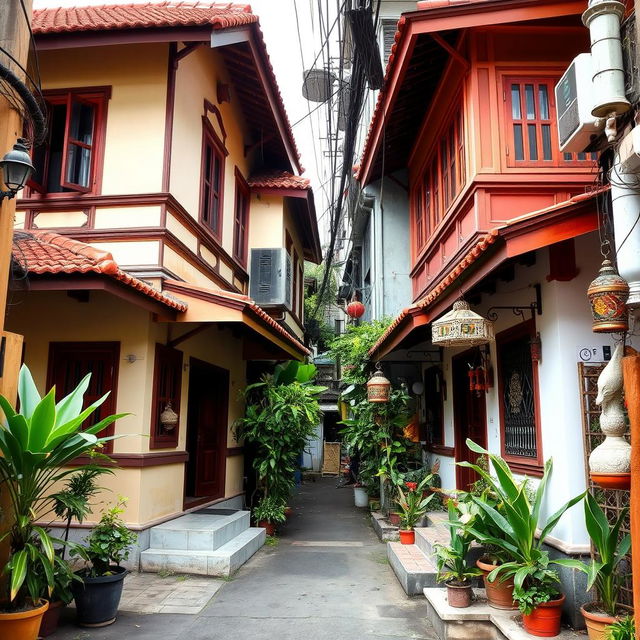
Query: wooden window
(70, 160)
(167, 385)
(69, 363)
(301, 290)
(241, 220)
(418, 218)
(532, 133)
(212, 183)
(519, 399)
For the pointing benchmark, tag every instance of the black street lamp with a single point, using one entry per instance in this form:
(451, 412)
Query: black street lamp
(16, 169)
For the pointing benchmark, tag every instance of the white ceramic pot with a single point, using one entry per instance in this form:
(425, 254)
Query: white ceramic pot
(361, 497)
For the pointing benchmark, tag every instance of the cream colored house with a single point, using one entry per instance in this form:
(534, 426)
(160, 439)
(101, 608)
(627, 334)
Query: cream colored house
(170, 162)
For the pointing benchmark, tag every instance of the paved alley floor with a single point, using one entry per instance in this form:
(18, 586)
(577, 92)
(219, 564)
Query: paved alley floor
(327, 578)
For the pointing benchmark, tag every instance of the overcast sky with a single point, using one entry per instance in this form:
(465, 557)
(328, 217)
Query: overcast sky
(278, 23)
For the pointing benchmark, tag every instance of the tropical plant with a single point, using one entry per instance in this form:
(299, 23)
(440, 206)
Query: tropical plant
(533, 594)
(603, 572)
(518, 519)
(63, 577)
(281, 414)
(270, 509)
(318, 308)
(451, 559)
(621, 629)
(413, 503)
(35, 444)
(108, 544)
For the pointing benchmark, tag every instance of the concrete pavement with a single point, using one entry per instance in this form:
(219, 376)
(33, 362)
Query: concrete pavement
(326, 579)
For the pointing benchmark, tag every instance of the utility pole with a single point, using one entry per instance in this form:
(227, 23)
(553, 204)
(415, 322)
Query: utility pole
(14, 38)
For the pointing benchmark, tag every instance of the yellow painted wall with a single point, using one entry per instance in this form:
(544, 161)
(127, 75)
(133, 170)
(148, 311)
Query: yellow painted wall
(57, 219)
(128, 254)
(127, 217)
(137, 74)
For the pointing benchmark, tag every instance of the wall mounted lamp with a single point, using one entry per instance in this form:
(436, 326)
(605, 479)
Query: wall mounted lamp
(16, 169)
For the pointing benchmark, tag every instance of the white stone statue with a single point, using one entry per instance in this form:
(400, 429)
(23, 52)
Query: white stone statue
(613, 455)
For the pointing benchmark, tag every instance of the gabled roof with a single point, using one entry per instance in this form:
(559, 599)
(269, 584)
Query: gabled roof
(49, 253)
(244, 51)
(278, 180)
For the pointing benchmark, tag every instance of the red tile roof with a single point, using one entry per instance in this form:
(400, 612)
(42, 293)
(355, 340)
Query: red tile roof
(46, 252)
(135, 16)
(279, 180)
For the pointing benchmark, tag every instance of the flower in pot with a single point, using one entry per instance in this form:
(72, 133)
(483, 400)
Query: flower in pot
(451, 561)
(35, 444)
(621, 629)
(603, 572)
(413, 505)
(516, 514)
(539, 599)
(270, 512)
(98, 593)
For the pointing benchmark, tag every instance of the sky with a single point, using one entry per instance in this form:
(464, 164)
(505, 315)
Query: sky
(279, 26)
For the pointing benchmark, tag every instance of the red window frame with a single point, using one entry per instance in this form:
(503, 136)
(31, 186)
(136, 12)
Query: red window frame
(241, 219)
(209, 196)
(98, 97)
(540, 120)
(167, 387)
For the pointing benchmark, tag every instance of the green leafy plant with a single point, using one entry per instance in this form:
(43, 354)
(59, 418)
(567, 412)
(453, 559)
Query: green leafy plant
(603, 572)
(413, 503)
(108, 544)
(35, 444)
(451, 559)
(518, 520)
(537, 593)
(270, 509)
(63, 576)
(622, 629)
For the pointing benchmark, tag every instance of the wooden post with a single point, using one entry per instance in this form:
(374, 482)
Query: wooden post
(631, 374)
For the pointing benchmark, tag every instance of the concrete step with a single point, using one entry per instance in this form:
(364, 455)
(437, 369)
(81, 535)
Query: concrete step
(222, 561)
(437, 531)
(414, 569)
(384, 530)
(199, 532)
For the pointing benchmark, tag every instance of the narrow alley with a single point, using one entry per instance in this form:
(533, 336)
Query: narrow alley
(327, 577)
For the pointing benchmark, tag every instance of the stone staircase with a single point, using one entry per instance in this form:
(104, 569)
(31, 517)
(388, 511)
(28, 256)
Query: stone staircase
(414, 564)
(209, 543)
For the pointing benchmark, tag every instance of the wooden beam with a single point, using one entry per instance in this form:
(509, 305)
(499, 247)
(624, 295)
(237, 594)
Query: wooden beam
(188, 334)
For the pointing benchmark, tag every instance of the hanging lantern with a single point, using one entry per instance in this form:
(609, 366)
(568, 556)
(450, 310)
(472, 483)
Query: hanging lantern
(461, 327)
(378, 387)
(608, 295)
(355, 309)
(168, 418)
(535, 345)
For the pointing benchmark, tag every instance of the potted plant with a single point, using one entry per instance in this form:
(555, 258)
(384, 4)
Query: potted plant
(59, 597)
(360, 497)
(540, 601)
(413, 505)
(451, 562)
(621, 629)
(603, 573)
(517, 515)
(35, 444)
(269, 512)
(98, 592)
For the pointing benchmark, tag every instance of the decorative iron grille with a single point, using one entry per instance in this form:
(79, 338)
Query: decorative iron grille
(518, 399)
(612, 501)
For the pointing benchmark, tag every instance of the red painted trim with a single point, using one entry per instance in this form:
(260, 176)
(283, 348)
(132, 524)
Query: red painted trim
(171, 356)
(172, 68)
(241, 219)
(219, 152)
(139, 460)
(235, 451)
(441, 450)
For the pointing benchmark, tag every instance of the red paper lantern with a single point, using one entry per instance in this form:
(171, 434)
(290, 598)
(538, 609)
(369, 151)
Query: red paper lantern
(355, 309)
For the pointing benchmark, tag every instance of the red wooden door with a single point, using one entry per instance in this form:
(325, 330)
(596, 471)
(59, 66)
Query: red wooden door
(207, 429)
(69, 362)
(470, 418)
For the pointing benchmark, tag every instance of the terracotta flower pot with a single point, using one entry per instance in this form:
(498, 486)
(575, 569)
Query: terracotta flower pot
(612, 480)
(51, 618)
(394, 518)
(288, 511)
(596, 622)
(269, 526)
(459, 595)
(499, 593)
(407, 536)
(23, 625)
(544, 620)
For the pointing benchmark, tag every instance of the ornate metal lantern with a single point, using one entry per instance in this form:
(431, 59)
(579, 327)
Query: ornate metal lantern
(168, 418)
(355, 309)
(608, 295)
(378, 387)
(461, 327)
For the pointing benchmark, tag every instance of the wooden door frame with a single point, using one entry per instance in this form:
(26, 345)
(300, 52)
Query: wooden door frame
(458, 444)
(194, 363)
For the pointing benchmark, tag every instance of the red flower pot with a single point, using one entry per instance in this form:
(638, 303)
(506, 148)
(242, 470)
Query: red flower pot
(544, 620)
(407, 536)
(269, 526)
(394, 519)
(499, 592)
(612, 480)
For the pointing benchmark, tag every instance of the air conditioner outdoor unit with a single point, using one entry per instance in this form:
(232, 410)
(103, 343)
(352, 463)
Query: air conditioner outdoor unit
(574, 101)
(270, 277)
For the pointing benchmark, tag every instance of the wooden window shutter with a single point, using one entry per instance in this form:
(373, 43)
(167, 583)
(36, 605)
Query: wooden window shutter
(167, 383)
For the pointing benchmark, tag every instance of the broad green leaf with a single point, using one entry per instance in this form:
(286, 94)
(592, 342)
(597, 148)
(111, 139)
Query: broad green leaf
(42, 422)
(27, 392)
(18, 567)
(71, 405)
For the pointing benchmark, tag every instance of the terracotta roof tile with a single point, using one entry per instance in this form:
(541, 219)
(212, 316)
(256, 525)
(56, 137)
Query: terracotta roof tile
(279, 180)
(135, 16)
(46, 252)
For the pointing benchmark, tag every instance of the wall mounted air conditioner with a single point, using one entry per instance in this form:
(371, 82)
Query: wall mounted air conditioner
(574, 101)
(270, 277)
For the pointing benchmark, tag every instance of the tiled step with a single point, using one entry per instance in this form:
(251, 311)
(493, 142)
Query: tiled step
(198, 532)
(412, 567)
(222, 561)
